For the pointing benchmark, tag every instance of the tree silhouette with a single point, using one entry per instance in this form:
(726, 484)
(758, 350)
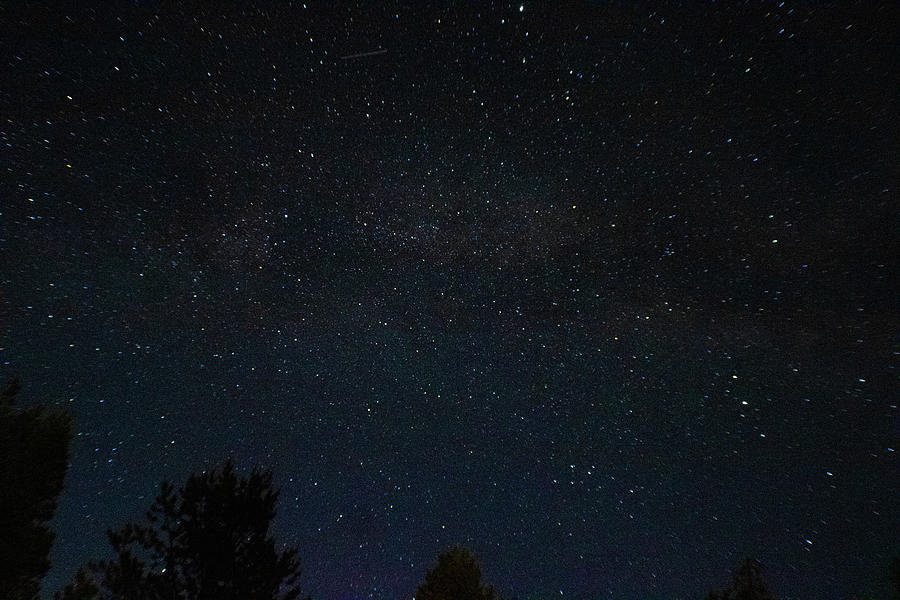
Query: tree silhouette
(894, 577)
(456, 576)
(747, 583)
(208, 540)
(82, 587)
(34, 455)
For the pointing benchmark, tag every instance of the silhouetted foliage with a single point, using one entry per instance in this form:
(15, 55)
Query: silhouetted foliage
(456, 576)
(34, 455)
(894, 577)
(747, 583)
(207, 541)
(82, 587)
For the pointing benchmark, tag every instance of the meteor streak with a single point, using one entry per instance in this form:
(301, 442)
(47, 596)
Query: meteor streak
(362, 54)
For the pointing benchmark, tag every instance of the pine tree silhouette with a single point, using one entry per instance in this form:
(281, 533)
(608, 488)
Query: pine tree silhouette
(894, 577)
(34, 455)
(208, 540)
(747, 583)
(456, 576)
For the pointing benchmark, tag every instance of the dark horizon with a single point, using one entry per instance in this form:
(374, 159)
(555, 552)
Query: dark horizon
(606, 293)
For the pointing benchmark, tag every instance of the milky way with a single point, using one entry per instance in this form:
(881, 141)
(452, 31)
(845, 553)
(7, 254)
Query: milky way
(604, 292)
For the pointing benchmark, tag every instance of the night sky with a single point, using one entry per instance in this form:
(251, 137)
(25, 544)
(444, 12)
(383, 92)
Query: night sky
(605, 292)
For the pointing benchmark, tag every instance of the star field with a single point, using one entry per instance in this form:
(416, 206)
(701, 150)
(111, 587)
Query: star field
(605, 292)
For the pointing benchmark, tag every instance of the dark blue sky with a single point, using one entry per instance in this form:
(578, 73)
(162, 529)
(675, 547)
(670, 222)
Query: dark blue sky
(604, 292)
